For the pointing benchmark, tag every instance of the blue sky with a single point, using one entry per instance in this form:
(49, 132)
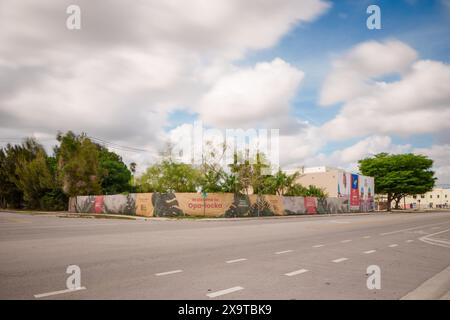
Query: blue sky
(422, 24)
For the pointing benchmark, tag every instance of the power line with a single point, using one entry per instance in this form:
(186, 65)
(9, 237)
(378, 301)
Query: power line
(101, 141)
(117, 146)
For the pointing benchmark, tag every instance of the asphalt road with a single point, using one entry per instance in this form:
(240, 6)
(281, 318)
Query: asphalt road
(282, 258)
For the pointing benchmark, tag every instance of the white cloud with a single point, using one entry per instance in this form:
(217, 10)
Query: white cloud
(441, 157)
(419, 102)
(247, 97)
(353, 74)
(129, 65)
(347, 158)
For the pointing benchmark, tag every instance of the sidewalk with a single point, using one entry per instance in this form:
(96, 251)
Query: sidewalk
(435, 288)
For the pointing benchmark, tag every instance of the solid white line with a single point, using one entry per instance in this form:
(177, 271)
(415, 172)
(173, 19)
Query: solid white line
(222, 292)
(168, 272)
(318, 245)
(47, 294)
(293, 273)
(235, 260)
(370, 251)
(366, 237)
(426, 225)
(393, 245)
(340, 260)
(285, 251)
(345, 241)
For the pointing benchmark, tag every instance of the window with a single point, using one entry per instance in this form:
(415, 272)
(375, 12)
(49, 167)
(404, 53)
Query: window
(438, 196)
(414, 197)
(431, 196)
(422, 196)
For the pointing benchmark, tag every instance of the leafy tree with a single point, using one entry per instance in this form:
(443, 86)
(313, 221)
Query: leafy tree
(258, 174)
(169, 176)
(34, 179)
(229, 183)
(114, 174)
(280, 183)
(399, 175)
(10, 156)
(78, 165)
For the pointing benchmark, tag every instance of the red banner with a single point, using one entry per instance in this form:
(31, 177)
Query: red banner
(354, 191)
(98, 205)
(310, 205)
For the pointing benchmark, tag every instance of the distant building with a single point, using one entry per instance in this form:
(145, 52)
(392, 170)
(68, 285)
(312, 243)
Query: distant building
(437, 198)
(357, 189)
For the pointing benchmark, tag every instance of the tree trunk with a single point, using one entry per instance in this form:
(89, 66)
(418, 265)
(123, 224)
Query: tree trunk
(397, 203)
(389, 200)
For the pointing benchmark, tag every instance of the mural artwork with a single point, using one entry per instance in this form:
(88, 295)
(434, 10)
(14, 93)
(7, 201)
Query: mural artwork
(221, 204)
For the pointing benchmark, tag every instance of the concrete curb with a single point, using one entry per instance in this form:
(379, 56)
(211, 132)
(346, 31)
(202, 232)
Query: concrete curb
(437, 287)
(66, 214)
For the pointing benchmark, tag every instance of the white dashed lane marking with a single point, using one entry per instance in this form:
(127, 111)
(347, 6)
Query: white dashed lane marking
(285, 251)
(393, 245)
(370, 251)
(318, 245)
(340, 260)
(236, 260)
(366, 237)
(167, 273)
(53, 293)
(409, 241)
(222, 292)
(345, 241)
(294, 273)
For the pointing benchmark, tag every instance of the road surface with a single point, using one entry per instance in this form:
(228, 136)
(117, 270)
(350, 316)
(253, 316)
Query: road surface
(282, 258)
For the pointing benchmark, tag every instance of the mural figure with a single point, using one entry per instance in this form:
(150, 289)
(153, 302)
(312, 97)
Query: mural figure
(165, 205)
(261, 208)
(239, 207)
(85, 204)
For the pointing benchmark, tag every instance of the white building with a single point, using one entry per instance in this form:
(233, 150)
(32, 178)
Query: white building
(437, 198)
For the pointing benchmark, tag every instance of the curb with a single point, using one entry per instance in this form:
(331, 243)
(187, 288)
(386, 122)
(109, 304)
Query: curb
(437, 287)
(66, 214)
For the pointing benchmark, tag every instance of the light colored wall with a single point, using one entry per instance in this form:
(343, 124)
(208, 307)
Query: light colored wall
(438, 196)
(326, 180)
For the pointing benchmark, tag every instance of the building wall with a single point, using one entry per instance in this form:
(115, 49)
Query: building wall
(438, 197)
(354, 190)
(326, 180)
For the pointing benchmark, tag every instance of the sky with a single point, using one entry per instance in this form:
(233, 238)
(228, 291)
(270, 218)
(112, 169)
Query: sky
(137, 75)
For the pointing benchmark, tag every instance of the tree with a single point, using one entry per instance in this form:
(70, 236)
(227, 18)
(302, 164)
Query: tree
(78, 165)
(170, 176)
(242, 170)
(10, 156)
(114, 174)
(212, 174)
(280, 183)
(399, 175)
(34, 179)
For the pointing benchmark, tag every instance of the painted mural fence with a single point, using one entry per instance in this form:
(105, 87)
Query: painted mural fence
(214, 205)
